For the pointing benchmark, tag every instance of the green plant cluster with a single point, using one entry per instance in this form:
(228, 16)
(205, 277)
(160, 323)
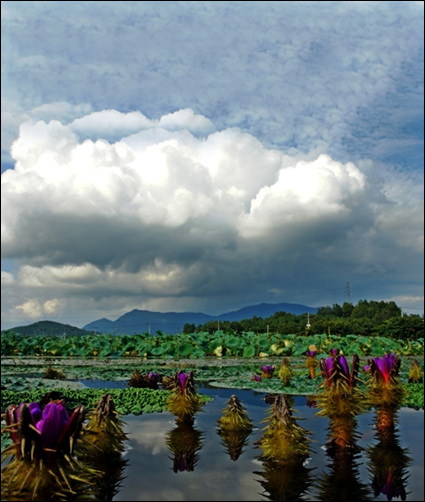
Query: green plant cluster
(200, 345)
(127, 401)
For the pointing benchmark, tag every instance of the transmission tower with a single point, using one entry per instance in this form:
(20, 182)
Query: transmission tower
(348, 292)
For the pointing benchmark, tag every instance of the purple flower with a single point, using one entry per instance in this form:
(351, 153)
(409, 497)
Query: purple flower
(182, 378)
(267, 371)
(336, 368)
(344, 366)
(385, 365)
(390, 489)
(54, 420)
(256, 378)
(53, 424)
(310, 353)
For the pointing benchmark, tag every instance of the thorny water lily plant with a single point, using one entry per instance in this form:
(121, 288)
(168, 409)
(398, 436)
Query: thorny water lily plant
(283, 439)
(41, 461)
(385, 385)
(285, 372)
(311, 362)
(104, 446)
(184, 401)
(340, 393)
(267, 371)
(234, 426)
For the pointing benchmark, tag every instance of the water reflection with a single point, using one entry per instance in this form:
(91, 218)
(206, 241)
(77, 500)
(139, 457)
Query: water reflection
(150, 472)
(284, 480)
(234, 427)
(234, 442)
(285, 449)
(184, 443)
(341, 401)
(342, 479)
(388, 460)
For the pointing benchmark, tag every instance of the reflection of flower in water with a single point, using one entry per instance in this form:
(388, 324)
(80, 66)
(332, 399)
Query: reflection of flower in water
(285, 448)
(342, 481)
(388, 461)
(341, 401)
(104, 445)
(234, 427)
(42, 460)
(184, 443)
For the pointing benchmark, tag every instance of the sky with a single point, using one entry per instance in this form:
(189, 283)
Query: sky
(207, 156)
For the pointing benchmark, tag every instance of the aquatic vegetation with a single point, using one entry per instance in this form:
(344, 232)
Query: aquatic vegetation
(283, 439)
(149, 380)
(340, 393)
(416, 373)
(235, 416)
(103, 446)
(234, 427)
(184, 401)
(267, 370)
(385, 386)
(41, 461)
(54, 374)
(285, 447)
(285, 372)
(311, 363)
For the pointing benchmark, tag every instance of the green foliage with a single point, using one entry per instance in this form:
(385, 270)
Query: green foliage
(414, 395)
(200, 345)
(127, 401)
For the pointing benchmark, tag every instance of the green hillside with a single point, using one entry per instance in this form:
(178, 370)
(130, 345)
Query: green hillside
(49, 328)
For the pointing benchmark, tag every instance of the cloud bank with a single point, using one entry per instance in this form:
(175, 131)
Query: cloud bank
(116, 210)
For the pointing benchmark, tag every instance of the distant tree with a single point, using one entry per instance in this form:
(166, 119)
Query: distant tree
(347, 309)
(403, 328)
(189, 328)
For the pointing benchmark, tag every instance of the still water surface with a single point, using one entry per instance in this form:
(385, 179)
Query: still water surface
(155, 470)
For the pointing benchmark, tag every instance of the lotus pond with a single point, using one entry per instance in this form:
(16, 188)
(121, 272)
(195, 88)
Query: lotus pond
(167, 460)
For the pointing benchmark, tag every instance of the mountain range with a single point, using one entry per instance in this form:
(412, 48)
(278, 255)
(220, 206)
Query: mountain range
(141, 321)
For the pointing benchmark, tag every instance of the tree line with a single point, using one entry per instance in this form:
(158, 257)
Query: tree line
(367, 318)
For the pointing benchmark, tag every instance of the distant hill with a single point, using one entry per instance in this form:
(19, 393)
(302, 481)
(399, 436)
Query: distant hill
(49, 328)
(141, 321)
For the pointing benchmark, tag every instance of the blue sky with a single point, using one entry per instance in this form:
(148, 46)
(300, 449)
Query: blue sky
(206, 156)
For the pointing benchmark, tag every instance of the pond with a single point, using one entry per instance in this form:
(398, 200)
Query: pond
(167, 462)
